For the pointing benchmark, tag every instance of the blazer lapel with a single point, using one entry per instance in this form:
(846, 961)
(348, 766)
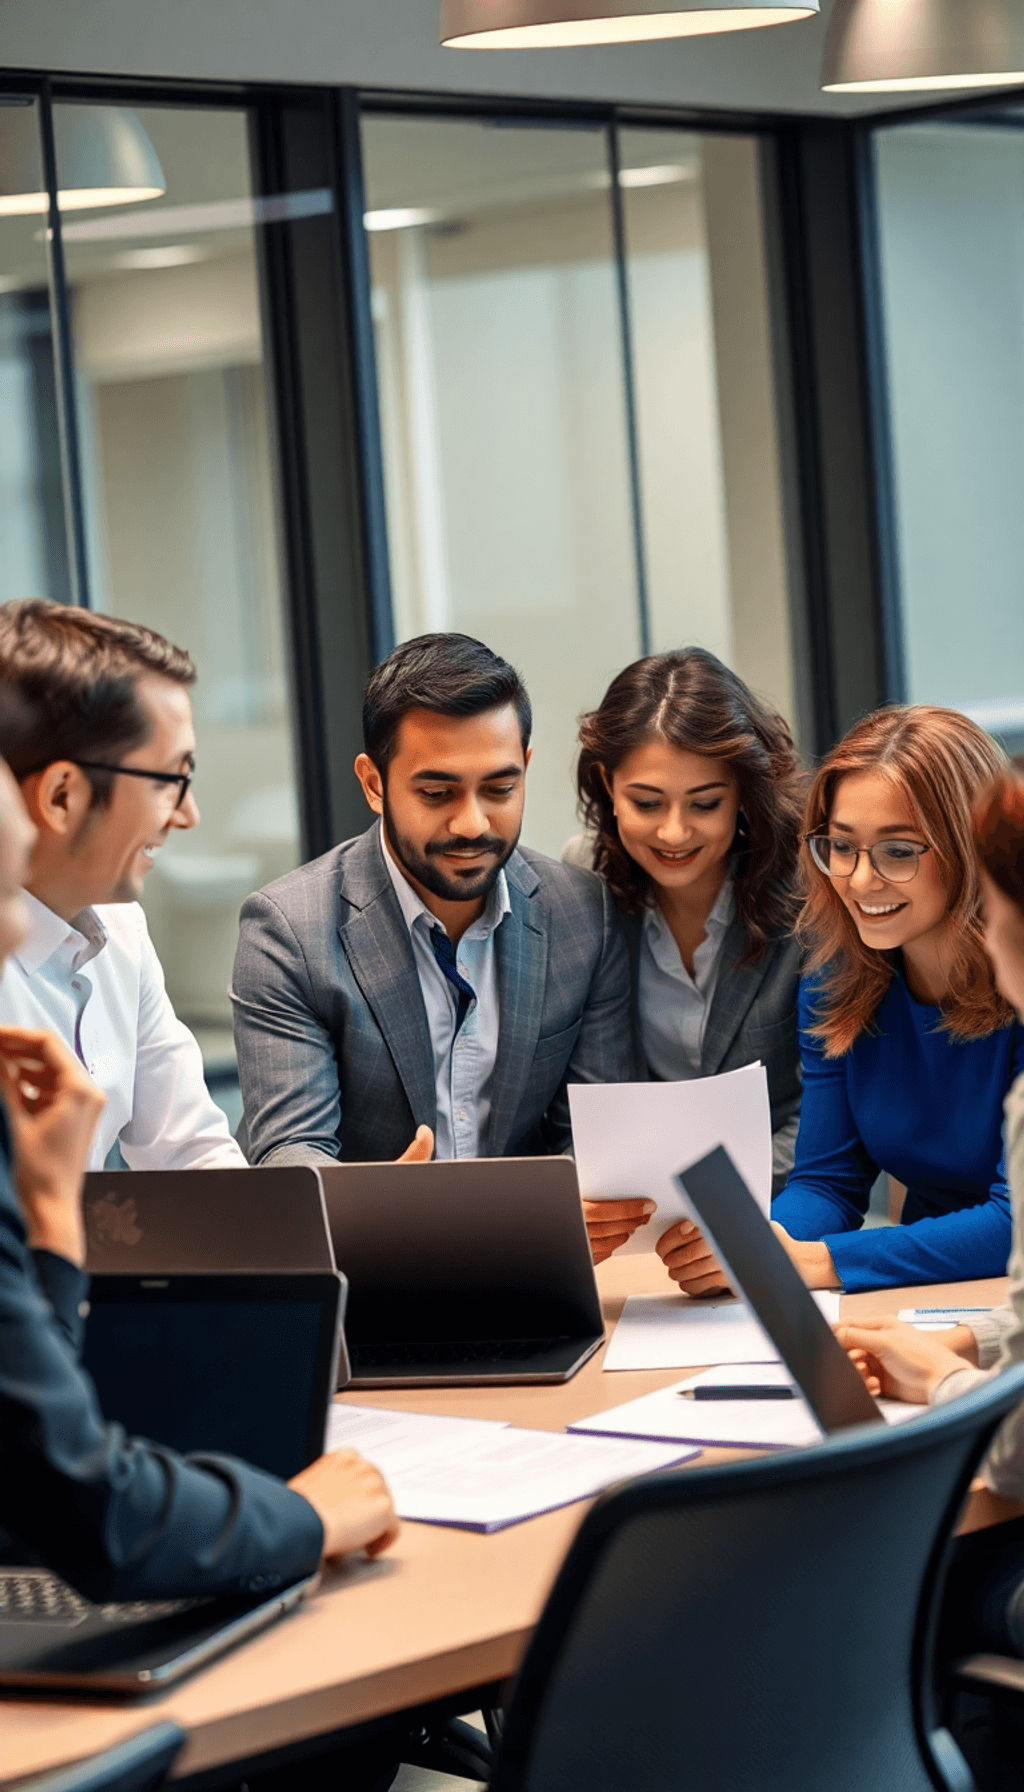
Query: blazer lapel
(376, 943)
(735, 990)
(521, 947)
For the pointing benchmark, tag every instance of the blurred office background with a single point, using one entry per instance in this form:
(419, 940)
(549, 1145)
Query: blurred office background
(586, 385)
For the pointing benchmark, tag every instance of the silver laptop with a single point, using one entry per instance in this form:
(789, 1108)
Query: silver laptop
(173, 1221)
(474, 1271)
(732, 1222)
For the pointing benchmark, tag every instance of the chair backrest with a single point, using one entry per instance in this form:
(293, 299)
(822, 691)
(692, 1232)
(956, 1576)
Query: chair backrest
(759, 1627)
(137, 1765)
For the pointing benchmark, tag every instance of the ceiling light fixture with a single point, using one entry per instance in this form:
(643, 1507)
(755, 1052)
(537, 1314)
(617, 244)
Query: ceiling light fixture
(921, 46)
(400, 217)
(104, 157)
(557, 24)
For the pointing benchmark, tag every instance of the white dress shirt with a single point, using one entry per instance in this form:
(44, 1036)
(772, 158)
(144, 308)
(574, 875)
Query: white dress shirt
(674, 1006)
(463, 1065)
(99, 985)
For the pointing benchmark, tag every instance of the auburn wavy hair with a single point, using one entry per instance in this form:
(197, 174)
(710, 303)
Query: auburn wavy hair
(999, 831)
(940, 762)
(693, 702)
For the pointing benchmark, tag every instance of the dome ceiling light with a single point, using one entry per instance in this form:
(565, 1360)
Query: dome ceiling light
(558, 24)
(104, 157)
(921, 46)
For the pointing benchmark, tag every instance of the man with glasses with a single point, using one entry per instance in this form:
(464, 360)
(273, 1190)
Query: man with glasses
(104, 755)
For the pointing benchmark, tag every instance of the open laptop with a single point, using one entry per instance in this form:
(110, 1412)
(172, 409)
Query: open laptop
(240, 1365)
(472, 1271)
(759, 1266)
(169, 1221)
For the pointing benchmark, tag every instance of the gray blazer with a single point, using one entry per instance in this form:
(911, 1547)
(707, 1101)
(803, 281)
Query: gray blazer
(753, 1016)
(334, 1055)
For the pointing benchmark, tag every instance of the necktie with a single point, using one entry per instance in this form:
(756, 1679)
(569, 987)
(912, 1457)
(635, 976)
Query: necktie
(444, 952)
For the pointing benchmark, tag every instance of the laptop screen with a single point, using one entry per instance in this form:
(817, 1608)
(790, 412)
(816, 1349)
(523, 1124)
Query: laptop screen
(219, 1368)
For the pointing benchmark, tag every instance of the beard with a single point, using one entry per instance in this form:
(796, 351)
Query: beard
(424, 864)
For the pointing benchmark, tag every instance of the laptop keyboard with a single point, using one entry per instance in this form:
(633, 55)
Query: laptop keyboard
(36, 1596)
(458, 1350)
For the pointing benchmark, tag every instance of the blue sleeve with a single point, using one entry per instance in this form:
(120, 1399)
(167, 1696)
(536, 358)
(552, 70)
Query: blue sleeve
(956, 1247)
(833, 1173)
(117, 1517)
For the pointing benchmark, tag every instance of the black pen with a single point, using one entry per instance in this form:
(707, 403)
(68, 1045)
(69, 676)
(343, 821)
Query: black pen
(732, 1392)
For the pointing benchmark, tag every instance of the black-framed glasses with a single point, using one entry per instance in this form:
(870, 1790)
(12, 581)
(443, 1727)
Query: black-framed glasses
(182, 779)
(898, 861)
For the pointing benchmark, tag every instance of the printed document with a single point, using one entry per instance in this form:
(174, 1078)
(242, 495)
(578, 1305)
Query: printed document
(479, 1475)
(632, 1139)
(673, 1331)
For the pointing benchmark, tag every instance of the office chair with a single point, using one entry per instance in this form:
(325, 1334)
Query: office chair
(137, 1765)
(765, 1626)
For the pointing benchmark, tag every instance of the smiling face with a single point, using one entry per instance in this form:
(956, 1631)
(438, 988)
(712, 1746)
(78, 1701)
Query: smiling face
(867, 808)
(452, 800)
(676, 813)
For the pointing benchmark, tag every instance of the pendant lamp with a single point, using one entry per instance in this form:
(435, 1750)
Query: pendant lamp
(104, 157)
(916, 46)
(555, 24)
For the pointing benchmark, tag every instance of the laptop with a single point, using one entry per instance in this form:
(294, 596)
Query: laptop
(169, 1221)
(759, 1266)
(475, 1272)
(241, 1365)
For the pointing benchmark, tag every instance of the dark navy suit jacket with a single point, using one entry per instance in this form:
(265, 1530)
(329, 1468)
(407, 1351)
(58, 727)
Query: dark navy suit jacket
(119, 1518)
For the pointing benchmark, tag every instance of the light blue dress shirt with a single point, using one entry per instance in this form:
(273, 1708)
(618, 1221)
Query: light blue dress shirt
(463, 1064)
(674, 1006)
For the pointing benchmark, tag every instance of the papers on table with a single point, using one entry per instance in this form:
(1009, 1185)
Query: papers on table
(737, 1424)
(480, 1475)
(632, 1139)
(940, 1319)
(671, 1331)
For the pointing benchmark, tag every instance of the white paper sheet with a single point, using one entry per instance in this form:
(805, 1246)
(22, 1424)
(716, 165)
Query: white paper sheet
(939, 1319)
(671, 1331)
(631, 1139)
(482, 1476)
(735, 1424)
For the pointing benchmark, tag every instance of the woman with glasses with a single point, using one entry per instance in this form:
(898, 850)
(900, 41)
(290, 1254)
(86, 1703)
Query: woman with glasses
(692, 792)
(908, 1047)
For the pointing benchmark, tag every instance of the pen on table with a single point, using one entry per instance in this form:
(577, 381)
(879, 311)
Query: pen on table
(732, 1392)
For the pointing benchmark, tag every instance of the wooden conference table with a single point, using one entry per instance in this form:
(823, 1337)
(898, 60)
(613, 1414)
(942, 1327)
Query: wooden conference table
(442, 1613)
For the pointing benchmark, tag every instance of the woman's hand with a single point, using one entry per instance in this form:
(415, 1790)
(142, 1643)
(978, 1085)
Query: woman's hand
(812, 1258)
(352, 1501)
(613, 1223)
(897, 1360)
(52, 1108)
(690, 1261)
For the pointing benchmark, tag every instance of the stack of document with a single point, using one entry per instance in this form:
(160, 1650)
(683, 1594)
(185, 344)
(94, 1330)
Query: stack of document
(673, 1414)
(671, 1331)
(480, 1475)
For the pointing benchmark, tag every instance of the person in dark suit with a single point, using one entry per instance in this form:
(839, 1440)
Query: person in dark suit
(117, 1517)
(430, 977)
(692, 793)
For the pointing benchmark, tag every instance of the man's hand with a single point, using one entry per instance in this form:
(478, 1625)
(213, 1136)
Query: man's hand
(690, 1261)
(52, 1107)
(352, 1500)
(812, 1258)
(899, 1361)
(421, 1150)
(613, 1223)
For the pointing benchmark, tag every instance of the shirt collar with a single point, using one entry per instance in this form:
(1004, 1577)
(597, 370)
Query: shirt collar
(47, 933)
(415, 909)
(719, 921)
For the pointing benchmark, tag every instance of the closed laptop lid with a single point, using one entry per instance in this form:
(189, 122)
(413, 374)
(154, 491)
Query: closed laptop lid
(174, 1221)
(763, 1272)
(237, 1365)
(475, 1248)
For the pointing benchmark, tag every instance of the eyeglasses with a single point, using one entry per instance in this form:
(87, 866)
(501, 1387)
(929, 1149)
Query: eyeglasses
(898, 861)
(182, 779)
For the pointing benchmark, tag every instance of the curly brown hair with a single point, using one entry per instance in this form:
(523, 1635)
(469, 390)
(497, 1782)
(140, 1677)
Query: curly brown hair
(941, 763)
(689, 699)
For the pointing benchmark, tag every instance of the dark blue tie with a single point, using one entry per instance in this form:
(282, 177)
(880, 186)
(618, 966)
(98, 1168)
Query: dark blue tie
(444, 952)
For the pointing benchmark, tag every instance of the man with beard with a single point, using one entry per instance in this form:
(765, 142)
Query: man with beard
(430, 981)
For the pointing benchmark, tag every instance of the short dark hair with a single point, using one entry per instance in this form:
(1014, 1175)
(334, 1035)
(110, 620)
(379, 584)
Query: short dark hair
(449, 674)
(75, 673)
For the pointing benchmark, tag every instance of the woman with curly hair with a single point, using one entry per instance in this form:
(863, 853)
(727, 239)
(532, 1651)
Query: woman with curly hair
(908, 1047)
(692, 793)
